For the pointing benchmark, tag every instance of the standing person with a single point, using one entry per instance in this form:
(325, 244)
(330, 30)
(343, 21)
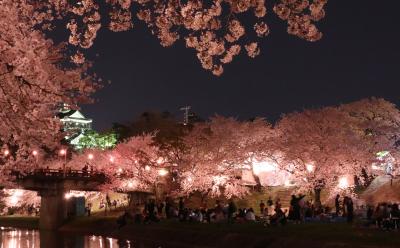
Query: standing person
(89, 209)
(302, 207)
(167, 208)
(292, 214)
(181, 205)
(160, 207)
(337, 204)
(270, 204)
(151, 209)
(262, 207)
(231, 210)
(350, 209)
(278, 203)
(344, 206)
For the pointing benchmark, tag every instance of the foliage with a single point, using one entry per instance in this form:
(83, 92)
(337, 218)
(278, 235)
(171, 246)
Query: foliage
(218, 30)
(92, 139)
(34, 79)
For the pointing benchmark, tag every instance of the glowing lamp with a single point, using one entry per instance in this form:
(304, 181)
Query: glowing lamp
(310, 168)
(263, 166)
(132, 184)
(162, 172)
(34, 153)
(6, 152)
(63, 152)
(160, 160)
(90, 156)
(343, 183)
(112, 159)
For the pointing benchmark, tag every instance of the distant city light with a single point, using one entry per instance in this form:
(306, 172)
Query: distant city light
(63, 152)
(6, 152)
(90, 156)
(34, 153)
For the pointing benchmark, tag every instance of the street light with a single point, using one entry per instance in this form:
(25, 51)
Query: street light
(6, 152)
(35, 154)
(162, 172)
(63, 152)
(90, 156)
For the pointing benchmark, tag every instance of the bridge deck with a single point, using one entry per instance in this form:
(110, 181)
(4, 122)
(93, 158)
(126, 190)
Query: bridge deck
(42, 179)
(59, 174)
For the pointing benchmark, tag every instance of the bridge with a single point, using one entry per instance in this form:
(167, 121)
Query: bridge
(51, 185)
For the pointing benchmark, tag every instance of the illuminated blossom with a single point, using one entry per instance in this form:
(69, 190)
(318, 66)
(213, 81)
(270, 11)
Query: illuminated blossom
(261, 29)
(252, 49)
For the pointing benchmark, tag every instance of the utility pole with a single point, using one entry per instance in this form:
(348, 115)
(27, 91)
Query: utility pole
(185, 114)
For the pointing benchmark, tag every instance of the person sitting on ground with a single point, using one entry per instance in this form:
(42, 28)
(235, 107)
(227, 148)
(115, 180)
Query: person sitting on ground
(231, 209)
(250, 216)
(279, 218)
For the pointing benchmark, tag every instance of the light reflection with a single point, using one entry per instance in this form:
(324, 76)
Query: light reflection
(16, 238)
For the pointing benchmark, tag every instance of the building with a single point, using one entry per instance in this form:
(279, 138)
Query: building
(74, 123)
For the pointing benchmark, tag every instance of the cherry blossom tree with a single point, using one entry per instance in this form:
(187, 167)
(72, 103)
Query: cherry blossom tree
(217, 30)
(216, 154)
(325, 148)
(318, 148)
(133, 165)
(33, 82)
(379, 122)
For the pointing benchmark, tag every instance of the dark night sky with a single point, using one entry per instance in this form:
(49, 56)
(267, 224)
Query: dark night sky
(358, 57)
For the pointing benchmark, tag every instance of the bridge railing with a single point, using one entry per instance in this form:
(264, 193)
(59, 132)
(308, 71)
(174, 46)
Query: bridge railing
(46, 173)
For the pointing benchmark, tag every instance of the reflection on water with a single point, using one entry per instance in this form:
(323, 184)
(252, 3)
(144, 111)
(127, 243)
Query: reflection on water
(18, 238)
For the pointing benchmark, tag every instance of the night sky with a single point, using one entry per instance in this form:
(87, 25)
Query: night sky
(358, 57)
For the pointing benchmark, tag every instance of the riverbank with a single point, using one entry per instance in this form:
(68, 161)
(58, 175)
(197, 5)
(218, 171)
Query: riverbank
(18, 221)
(177, 234)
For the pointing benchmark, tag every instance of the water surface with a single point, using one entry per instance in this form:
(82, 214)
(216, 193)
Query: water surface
(21, 238)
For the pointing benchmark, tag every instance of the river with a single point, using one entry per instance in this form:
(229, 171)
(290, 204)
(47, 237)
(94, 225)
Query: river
(21, 238)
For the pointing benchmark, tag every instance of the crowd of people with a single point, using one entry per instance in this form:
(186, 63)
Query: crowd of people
(385, 216)
(271, 213)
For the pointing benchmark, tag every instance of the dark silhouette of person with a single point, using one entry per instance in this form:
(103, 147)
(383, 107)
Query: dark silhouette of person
(337, 204)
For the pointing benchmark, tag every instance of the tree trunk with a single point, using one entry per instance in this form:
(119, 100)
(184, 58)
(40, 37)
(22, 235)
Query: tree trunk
(257, 187)
(317, 197)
